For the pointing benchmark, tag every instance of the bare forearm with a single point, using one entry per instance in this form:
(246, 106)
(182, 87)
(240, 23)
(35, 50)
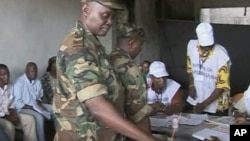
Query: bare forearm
(191, 80)
(174, 109)
(215, 95)
(106, 113)
(144, 125)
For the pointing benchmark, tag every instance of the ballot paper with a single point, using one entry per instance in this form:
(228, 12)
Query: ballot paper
(198, 116)
(159, 122)
(222, 132)
(191, 119)
(224, 120)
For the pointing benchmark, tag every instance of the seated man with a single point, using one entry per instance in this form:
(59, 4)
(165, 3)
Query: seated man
(48, 81)
(28, 93)
(164, 95)
(9, 119)
(241, 107)
(3, 135)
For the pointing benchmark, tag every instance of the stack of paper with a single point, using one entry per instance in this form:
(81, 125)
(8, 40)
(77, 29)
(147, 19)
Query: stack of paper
(220, 132)
(159, 122)
(224, 120)
(191, 119)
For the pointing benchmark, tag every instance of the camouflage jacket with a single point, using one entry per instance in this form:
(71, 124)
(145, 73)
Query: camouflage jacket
(135, 86)
(84, 72)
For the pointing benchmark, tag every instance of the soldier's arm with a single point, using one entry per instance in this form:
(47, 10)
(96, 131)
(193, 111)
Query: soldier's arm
(136, 107)
(106, 113)
(177, 104)
(88, 83)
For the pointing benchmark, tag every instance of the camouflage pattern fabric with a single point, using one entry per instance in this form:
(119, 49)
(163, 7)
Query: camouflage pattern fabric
(126, 30)
(135, 87)
(84, 72)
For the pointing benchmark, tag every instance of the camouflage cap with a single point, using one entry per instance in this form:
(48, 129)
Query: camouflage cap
(129, 30)
(113, 4)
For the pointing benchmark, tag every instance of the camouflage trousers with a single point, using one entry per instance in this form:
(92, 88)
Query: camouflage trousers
(104, 134)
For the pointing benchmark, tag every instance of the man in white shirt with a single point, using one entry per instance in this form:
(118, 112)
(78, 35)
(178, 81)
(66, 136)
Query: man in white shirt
(241, 107)
(208, 68)
(28, 92)
(164, 95)
(9, 118)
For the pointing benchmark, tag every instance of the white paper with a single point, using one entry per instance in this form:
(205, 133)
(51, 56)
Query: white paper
(159, 122)
(198, 116)
(207, 133)
(224, 120)
(184, 120)
(222, 128)
(191, 101)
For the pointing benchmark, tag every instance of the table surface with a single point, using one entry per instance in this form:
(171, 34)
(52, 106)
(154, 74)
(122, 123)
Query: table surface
(183, 131)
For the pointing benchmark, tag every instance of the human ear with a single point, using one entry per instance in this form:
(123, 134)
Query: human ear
(131, 43)
(85, 10)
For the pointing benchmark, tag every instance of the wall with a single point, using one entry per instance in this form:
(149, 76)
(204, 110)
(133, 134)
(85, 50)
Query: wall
(31, 30)
(145, 17)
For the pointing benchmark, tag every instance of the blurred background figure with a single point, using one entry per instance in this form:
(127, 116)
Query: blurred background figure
(145, 70)
(48, 81)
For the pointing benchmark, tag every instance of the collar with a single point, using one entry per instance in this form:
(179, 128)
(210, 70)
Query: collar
(27, 80)
(83, 31)
(204, 55)
(123, 52)
(4, 88)
(163, 90)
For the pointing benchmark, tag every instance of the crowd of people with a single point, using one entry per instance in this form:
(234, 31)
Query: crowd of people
(22, 104)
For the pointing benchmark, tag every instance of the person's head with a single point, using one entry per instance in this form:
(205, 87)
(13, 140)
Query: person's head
(97, 15)
(31, 71)
(145, 66)
(51, 64)
(158, 75)
(204, 32)
(130, 38)
(4, 75)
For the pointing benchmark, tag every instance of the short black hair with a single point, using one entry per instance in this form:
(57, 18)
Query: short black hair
(146, 62)
(129, 30)
(5, 67)
(51, 61)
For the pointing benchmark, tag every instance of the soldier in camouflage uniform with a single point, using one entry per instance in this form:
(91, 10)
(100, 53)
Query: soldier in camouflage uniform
(89, 99)
(129, 42)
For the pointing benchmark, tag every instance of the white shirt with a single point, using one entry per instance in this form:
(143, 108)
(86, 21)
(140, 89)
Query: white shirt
(166, 96)
(247, 100)
(26, 92)
(6, 100)
(205, 74)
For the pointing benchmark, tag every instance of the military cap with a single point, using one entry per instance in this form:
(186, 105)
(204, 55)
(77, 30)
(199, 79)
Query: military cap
(129, 30)
(113, 4)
